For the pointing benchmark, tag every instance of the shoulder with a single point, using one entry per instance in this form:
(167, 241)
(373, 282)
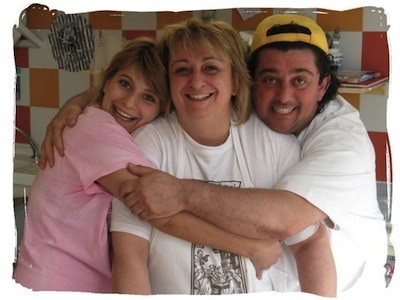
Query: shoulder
(254, 134)
(161, 128)
(256, 128)
(95, 124)
(339, 118)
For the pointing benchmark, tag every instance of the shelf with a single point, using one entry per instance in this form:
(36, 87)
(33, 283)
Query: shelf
(380, 87)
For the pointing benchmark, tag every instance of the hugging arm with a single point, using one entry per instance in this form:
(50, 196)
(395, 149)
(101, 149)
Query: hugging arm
(130, 274)
(263, 212)
(66, 116)
(262, 252)
(315, 264)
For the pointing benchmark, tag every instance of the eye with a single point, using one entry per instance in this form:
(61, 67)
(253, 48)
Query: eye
(183, 70)
(150, 98)
(125, 84)
(211, 69)
(300, 81)
(267, 80)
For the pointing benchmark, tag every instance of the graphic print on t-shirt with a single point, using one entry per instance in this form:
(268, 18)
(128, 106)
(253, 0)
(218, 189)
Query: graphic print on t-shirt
(216, 272)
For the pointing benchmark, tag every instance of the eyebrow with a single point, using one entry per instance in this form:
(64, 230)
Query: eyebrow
(275, 71)
(207, 58)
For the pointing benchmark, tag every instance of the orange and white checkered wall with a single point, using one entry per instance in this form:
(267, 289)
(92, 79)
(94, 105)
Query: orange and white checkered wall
(44, 87)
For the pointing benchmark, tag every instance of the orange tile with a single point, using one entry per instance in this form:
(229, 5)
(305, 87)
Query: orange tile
(347, 20)
(375, 52)
(132, 34)
(40, 16)
(43, 84)
(353, 99)
(381, 144)
(251, 23)
(165, 18)
(105, 20)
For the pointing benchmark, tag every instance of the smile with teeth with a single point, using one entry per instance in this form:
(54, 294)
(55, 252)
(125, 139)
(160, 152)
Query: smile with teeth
(123, 114)
(283, 111)
(198, 96)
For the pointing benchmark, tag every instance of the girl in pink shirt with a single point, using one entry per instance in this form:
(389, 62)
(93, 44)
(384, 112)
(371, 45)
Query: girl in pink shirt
(65, 245)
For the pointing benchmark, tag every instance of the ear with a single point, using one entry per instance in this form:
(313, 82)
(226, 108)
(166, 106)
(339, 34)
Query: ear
(105, 86)
(323, 86)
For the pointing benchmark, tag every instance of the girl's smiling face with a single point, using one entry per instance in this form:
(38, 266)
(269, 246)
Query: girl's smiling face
(129, 99)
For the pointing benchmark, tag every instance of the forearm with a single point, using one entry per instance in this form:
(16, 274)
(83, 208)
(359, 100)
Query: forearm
(66, 116)
(263, 253)
(252, 212)
(82, 100)
(315, 264)
(191, 228)
(129, 268)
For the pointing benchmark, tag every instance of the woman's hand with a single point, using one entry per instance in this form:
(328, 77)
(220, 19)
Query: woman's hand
(263, 254)
(66, 116)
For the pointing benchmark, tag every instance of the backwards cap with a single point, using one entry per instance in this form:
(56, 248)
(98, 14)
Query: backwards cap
(314, 35)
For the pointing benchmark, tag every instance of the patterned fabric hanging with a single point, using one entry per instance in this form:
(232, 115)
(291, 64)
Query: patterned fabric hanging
(72, 42)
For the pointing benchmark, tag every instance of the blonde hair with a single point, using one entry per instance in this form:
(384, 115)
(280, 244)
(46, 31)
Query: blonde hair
(143, 54)
(220, 38)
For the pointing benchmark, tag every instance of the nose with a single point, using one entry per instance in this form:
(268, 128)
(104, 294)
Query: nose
(197, 79)
(284, 93)
(131, 100)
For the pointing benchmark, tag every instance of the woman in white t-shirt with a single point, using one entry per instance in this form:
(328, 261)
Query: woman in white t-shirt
(212, 136)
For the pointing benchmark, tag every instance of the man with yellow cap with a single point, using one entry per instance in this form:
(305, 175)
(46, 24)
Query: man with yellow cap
(295, 91)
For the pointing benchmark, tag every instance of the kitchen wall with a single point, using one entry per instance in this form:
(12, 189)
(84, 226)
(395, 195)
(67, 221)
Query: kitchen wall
(44, 85)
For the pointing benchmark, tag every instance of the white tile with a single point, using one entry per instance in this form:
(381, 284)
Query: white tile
(71, 84)
(373, 112)
(220, 15)
(374, 19)
(40, 118)
(107, 44)
(42, 58)
(351, 45)
(139, 21)
(308, 12)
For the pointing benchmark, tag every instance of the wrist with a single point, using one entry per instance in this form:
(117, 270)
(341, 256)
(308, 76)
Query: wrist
(187, 191)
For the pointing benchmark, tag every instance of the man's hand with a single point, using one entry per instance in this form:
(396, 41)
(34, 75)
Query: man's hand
(154, 194)
(265, 253)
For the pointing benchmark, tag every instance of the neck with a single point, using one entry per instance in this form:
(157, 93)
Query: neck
(207, 132)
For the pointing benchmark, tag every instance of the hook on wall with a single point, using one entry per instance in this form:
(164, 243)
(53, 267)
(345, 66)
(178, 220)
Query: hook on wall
(22, 31)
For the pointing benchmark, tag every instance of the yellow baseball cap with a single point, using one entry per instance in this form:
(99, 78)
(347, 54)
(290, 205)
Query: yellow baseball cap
(316, 35)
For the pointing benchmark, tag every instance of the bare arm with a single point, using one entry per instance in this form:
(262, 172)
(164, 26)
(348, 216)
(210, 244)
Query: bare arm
(263, 253)
(67, 116)
(315, 264)
(263, 212)
(130, 274)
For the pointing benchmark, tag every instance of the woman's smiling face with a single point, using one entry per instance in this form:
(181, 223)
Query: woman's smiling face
(129, 99)
(201, 84)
